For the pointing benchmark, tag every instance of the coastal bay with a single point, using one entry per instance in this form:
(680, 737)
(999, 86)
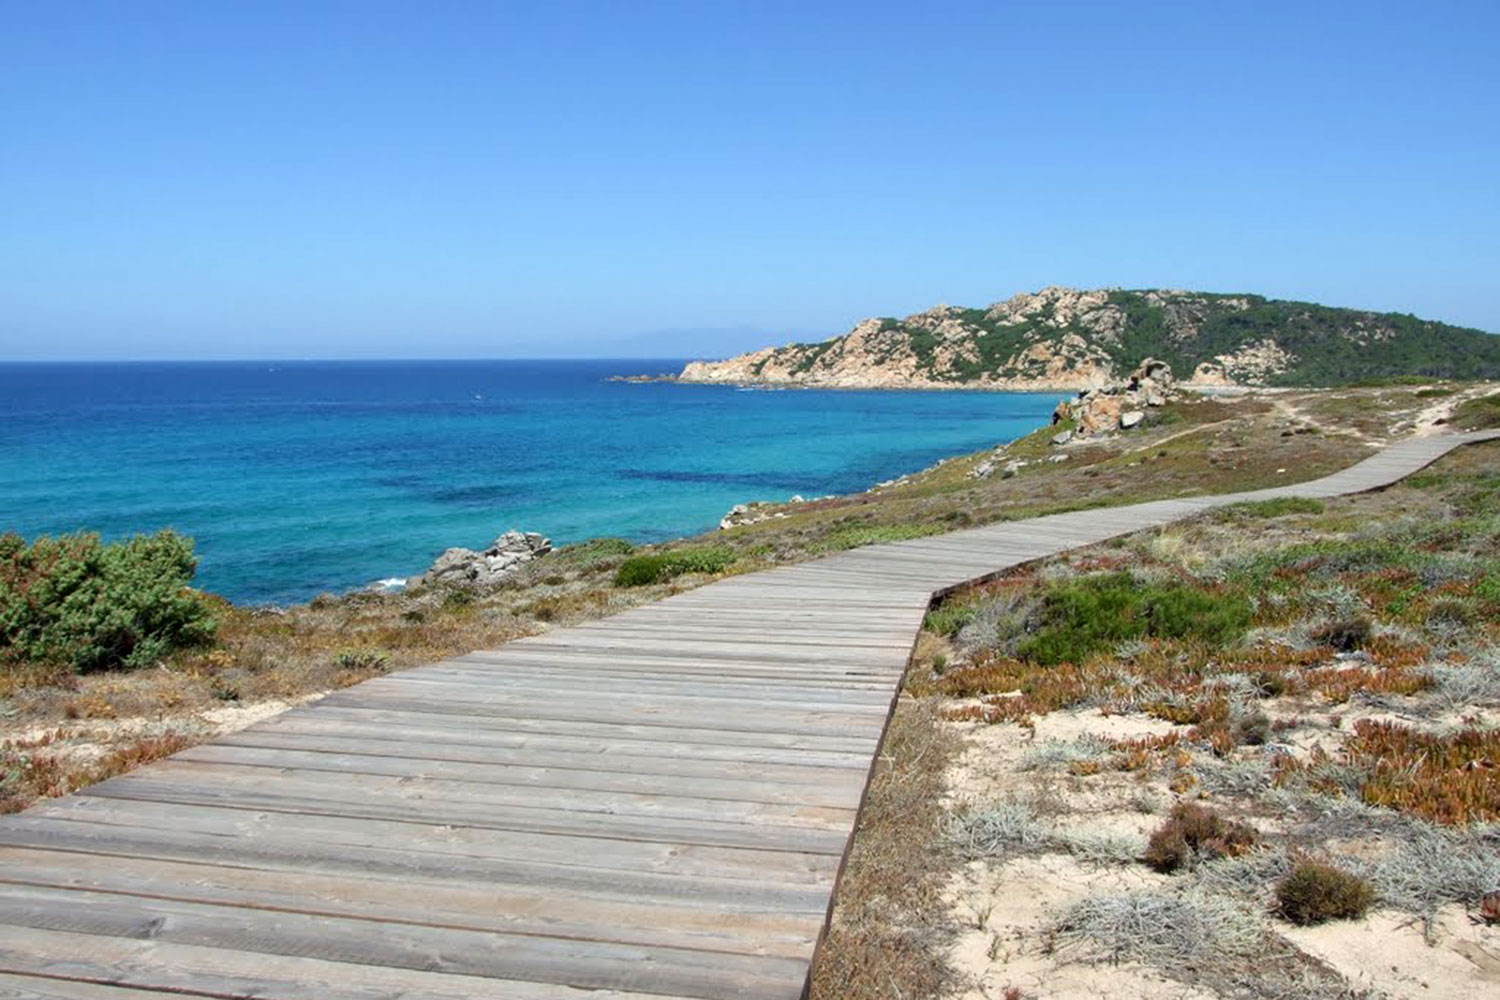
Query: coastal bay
(296, 478)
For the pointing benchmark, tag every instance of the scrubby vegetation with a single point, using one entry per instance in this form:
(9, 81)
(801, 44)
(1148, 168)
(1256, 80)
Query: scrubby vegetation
(1077, 618)
(28, 770)
(1279, 507)
(78, 602)
(1329, 753)
(638, 571)
(856, 535)
(1335, 753)
(1312, 893)
(1478, 414)
(1193, 833)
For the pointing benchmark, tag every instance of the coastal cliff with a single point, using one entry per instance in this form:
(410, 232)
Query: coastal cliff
(1064, 338)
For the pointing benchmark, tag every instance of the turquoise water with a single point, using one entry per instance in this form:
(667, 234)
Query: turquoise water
(302, 477)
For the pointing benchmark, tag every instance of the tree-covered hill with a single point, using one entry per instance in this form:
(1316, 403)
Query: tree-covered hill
(1062, 337)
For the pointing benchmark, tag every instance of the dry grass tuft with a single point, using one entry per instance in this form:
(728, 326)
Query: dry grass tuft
(39, 768)
(1193, 833)
(1312, 893)
(1166, 928)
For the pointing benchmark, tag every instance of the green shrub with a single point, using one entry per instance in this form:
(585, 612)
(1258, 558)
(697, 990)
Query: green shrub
(594, 551)
(948, 618)
(1193, 833)
(361, 660)
(458, 599)
(1387, 381)
(855, 536)
(1312, 893)
(1279, 507)
(75, 601)
(1478, 414)
(1084, 616)
(1345, 634)
(639, 571)
(1488, 589)
(1432, 393)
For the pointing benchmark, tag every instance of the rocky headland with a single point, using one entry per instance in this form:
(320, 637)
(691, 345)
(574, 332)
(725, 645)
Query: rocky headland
(1070, 339)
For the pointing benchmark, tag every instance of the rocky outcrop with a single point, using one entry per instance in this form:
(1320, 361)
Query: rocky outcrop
(1065, 338)
(753, 512)
(757, 511)
(1254, 364)
(467, 568)
(1104, 409)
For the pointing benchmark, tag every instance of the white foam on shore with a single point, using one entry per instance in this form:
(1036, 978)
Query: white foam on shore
(391, 583)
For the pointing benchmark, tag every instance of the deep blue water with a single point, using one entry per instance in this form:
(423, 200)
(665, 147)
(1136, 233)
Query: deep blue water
(302, 477)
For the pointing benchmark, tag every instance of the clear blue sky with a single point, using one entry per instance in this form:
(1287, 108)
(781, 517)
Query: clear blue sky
(369, 179)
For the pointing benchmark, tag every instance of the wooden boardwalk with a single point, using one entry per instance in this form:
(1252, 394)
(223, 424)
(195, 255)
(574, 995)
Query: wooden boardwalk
(654, 805)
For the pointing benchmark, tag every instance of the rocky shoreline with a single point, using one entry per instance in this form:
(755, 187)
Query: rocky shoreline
(460, 567)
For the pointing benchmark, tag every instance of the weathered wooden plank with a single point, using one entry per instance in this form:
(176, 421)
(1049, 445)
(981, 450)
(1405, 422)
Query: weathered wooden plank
(877, 673)
(800, 829)
(455, 682)
(835, 723)
(397, 727)
(219, 972)
(428, 902)
(380, 744)
(559, 961)
(836, 791)
(748, 879)
(37, 988)
(656, 733)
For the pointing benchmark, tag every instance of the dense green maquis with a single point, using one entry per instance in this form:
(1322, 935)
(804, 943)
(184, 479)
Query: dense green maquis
(1094, 613)
(639, 571)
(1063, 336)
(1067, 621)
(76, 601)
(1330, 346)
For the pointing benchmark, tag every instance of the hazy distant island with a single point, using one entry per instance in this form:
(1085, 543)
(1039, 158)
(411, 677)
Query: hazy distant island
(1064, 338)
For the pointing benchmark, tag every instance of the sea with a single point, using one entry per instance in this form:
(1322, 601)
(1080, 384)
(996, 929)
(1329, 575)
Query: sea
(302, 477)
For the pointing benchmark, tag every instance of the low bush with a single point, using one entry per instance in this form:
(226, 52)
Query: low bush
(949, 617)
(594, 553)
(1193, 833)
(458, 599)
(1312, 893)
(75, 601)
(1345, 634)
(1387, 381)
(1094, 613)
(639, 571)
(1279, 507)
(1478, 414)
(859, 535)
(361, 660)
